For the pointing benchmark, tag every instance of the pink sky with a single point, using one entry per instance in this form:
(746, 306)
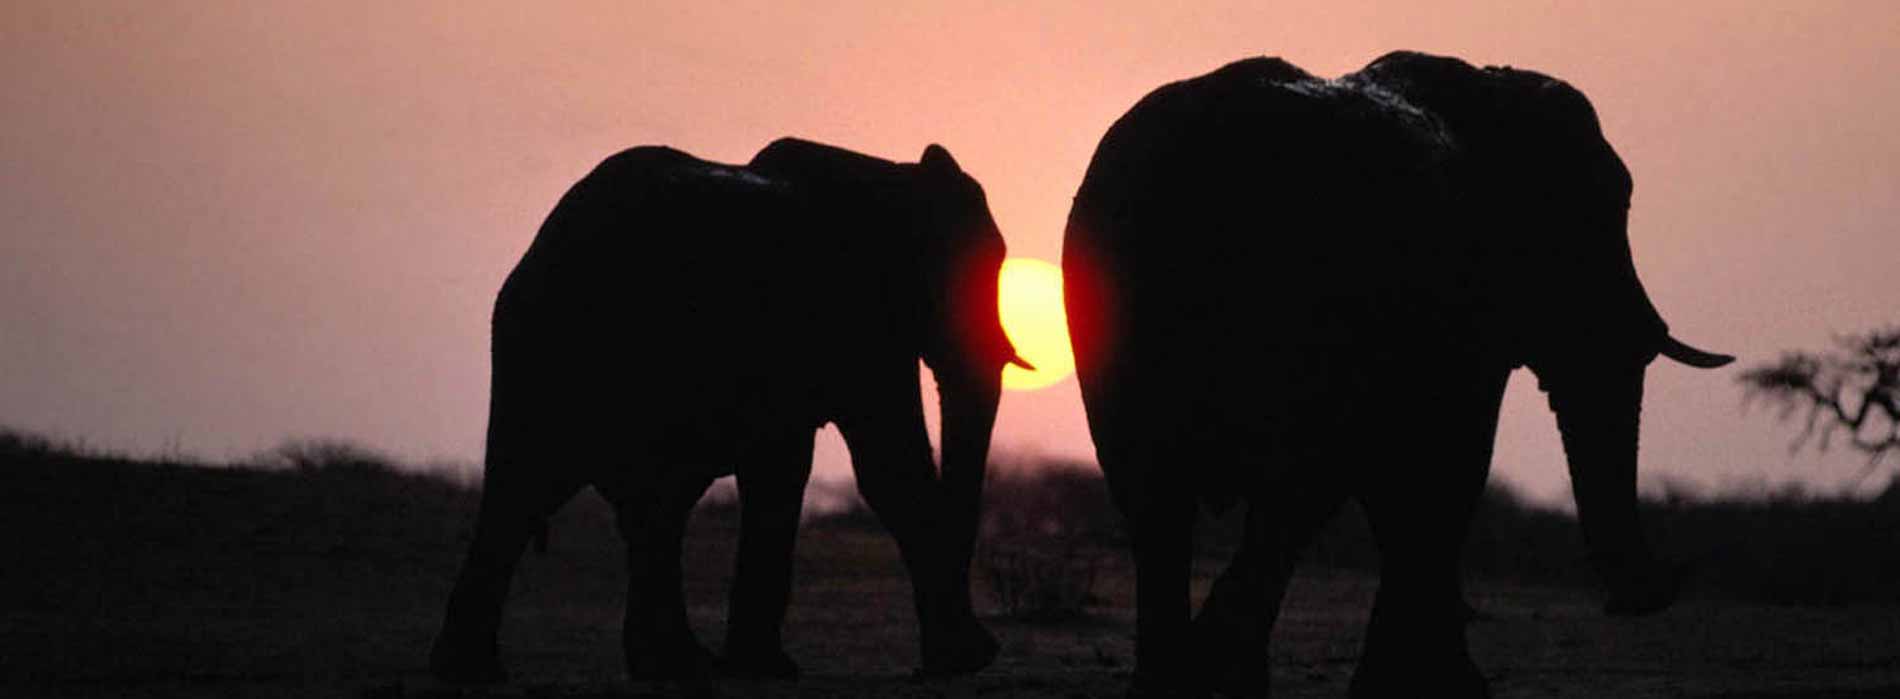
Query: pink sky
(229, 223)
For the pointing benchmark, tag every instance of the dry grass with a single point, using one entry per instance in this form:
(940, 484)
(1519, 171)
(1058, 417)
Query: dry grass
(138, 578)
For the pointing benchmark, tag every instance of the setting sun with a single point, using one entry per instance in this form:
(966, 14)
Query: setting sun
(1029, 296)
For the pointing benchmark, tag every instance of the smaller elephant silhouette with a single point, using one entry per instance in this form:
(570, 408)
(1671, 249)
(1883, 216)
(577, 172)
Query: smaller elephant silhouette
(676, 320)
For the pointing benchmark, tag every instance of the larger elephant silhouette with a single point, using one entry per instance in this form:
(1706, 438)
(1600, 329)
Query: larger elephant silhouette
(677, 320)
(1292, 291)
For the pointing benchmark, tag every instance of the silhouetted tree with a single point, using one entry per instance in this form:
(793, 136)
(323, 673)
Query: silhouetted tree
(1853, 389)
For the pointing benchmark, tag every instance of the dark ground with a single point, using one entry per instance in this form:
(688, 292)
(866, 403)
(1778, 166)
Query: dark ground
(325, 576)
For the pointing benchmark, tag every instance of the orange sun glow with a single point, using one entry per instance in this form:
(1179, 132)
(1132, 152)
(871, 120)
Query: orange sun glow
(1029, 296)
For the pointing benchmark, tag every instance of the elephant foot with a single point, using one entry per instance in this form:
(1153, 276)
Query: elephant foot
(1640, 590)
(1151, 685)
(967, 650)
(685, 663)
(1228, 665)
(758, 664)
(1457, 678)
(1229, 642)
(465, 663)
(1243, 680)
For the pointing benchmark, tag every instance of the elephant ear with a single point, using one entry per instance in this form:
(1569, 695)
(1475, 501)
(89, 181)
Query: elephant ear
(937, 159)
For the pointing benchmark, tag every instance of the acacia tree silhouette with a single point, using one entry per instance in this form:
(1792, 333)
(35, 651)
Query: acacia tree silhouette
(1852, 389)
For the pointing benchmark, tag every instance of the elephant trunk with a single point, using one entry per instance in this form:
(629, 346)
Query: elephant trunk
(968, 405)
(1600, 423)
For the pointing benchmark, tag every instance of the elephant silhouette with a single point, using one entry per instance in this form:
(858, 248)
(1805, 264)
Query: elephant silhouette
(1290, 291)
(677, 320)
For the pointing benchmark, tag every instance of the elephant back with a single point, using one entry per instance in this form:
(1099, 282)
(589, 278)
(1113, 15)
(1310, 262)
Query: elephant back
(1234, 227)
(662, 274)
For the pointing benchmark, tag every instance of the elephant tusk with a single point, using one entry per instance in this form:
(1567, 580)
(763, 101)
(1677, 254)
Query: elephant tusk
(1018, 360)
(1681, 352)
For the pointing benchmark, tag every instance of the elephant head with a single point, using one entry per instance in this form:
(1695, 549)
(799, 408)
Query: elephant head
(1549, 200)
(930, 231)
(963, 341)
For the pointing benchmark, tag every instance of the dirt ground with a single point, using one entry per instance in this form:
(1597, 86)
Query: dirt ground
(251, 609)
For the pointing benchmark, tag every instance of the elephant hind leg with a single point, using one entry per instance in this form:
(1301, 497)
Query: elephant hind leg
(656, 637)
(513, 510)
(771, 497)
(1236, 620)
(1163, 542)
(1159, 515)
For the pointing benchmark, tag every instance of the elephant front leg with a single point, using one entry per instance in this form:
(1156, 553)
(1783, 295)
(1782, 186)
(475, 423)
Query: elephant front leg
(890, 455)
(771, 496)
(1415, 641)
(656, 636)
(1420, 515)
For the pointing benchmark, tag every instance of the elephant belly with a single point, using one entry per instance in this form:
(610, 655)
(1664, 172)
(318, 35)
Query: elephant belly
(1248, 410)
(715, 420)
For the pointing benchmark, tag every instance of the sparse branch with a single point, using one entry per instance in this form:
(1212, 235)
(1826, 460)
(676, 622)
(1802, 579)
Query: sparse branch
(1854, 389)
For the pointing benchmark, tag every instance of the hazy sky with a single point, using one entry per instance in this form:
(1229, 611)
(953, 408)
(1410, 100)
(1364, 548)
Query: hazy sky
(229, 223)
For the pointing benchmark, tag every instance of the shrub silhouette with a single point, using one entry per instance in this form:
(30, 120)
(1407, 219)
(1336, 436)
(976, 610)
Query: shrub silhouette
(314, 456)
(1044, 526)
